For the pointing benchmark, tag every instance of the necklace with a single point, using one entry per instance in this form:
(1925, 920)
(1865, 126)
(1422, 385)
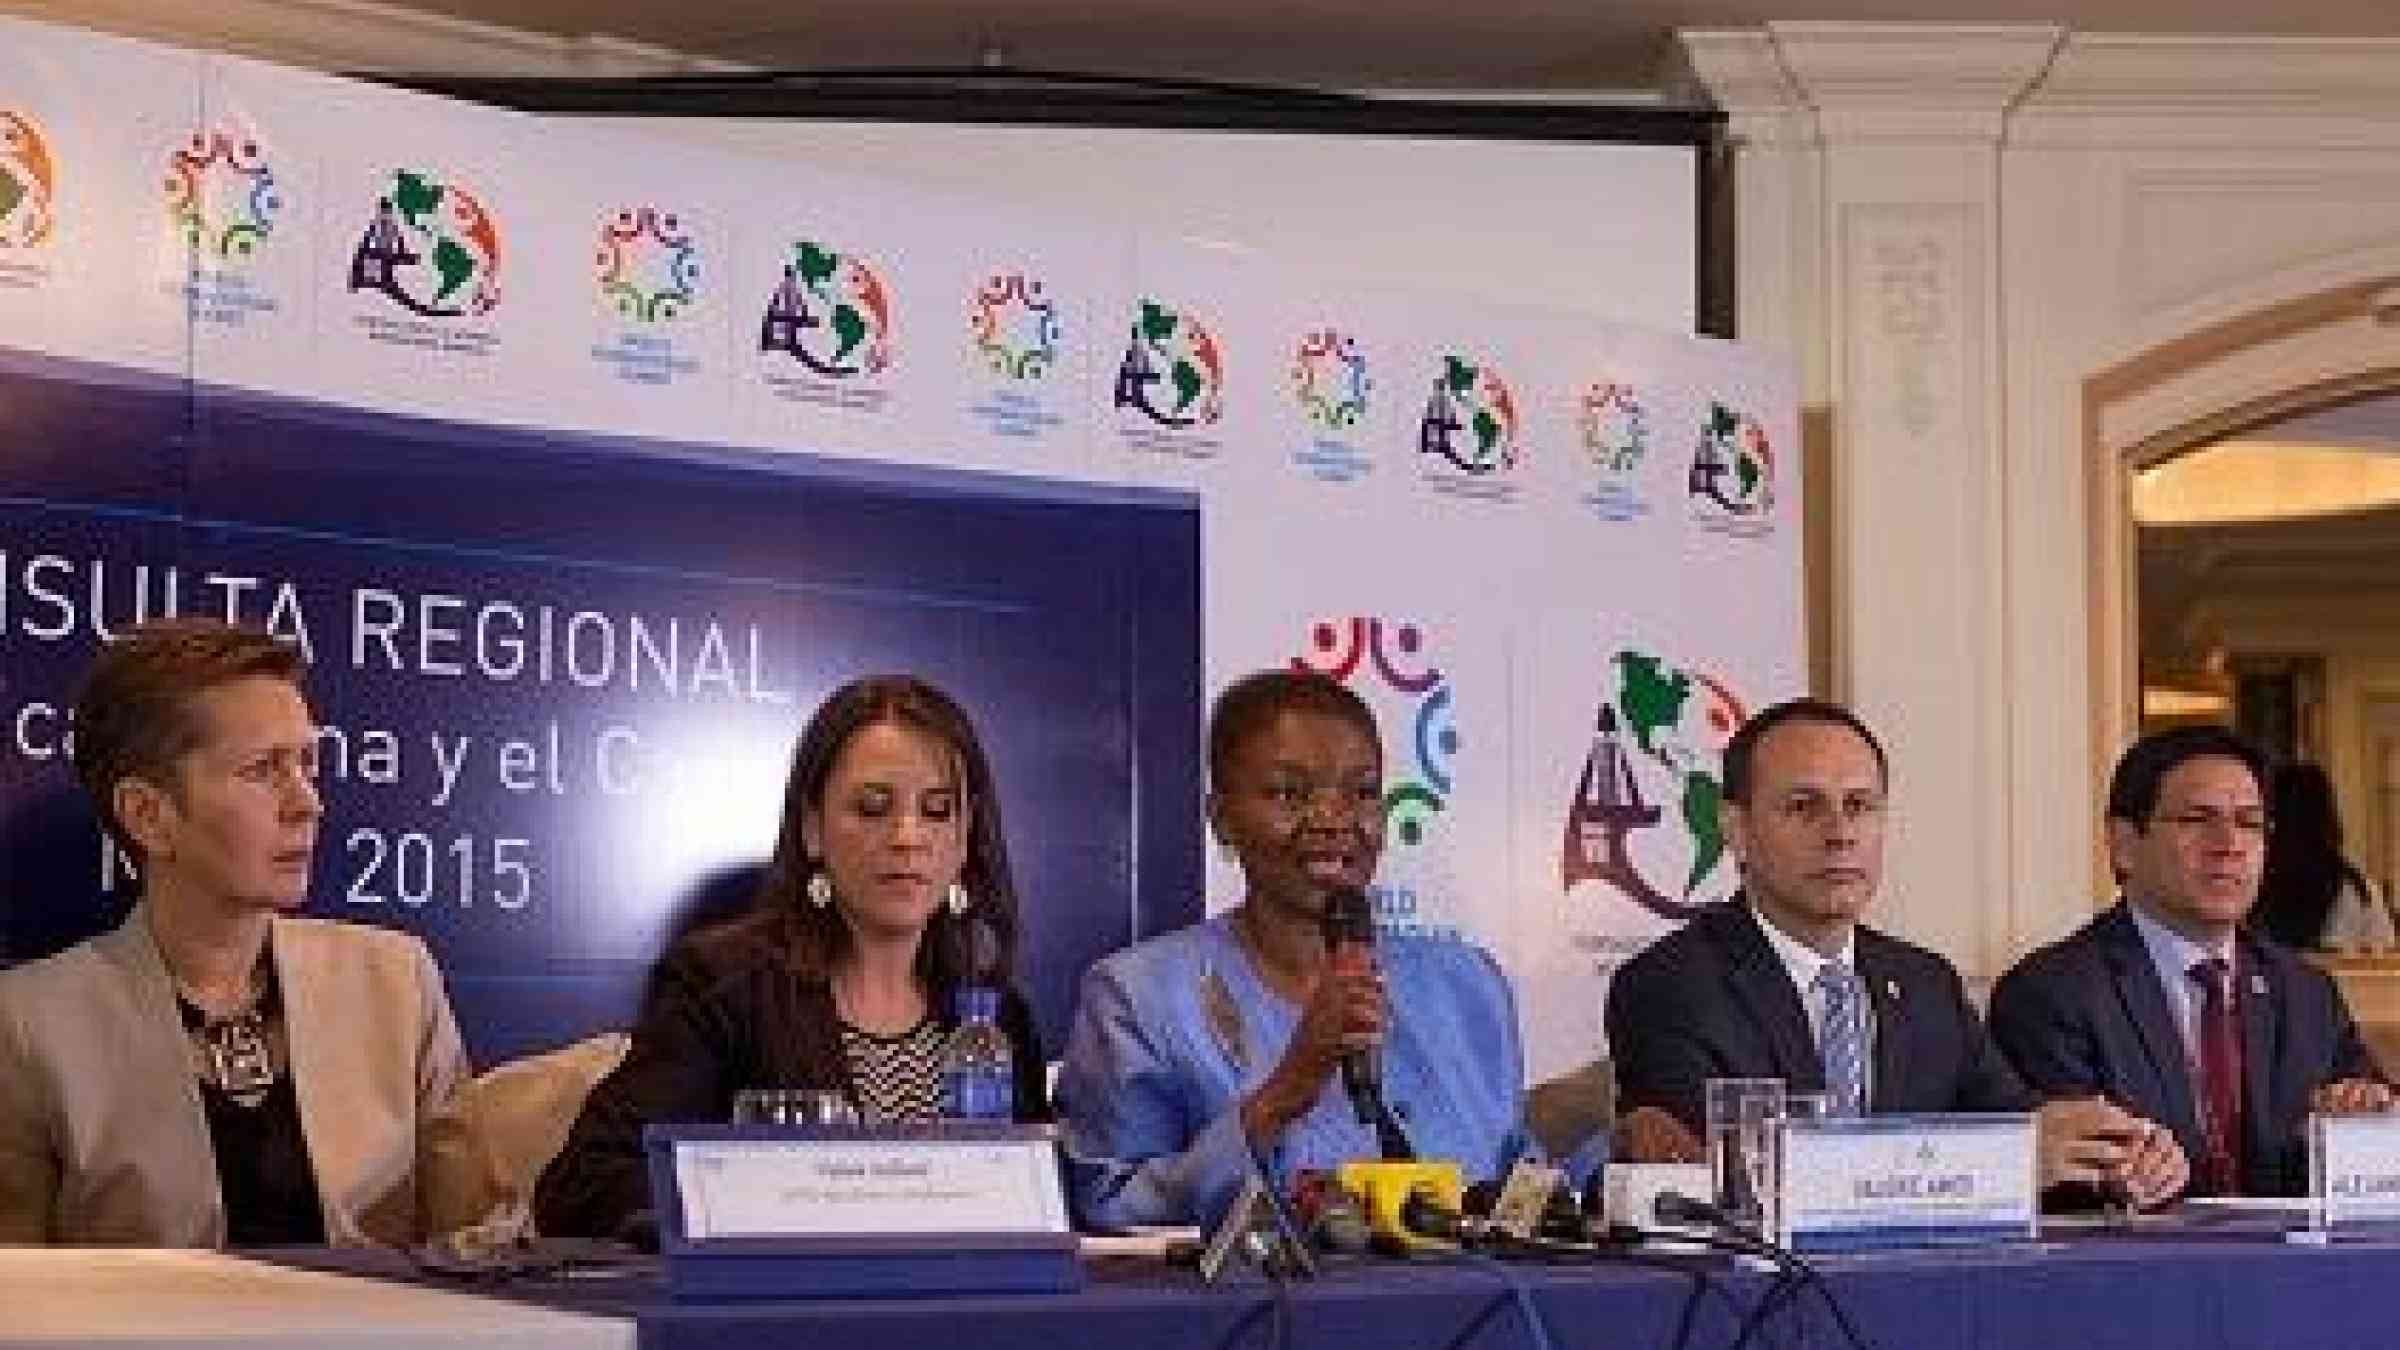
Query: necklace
(236, 1052)
(237, 1057)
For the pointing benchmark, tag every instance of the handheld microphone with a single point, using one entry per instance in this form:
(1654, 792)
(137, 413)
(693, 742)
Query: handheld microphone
(1350, 919)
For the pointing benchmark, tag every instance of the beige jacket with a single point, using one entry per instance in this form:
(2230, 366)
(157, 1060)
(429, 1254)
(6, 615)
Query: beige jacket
(102, 1136)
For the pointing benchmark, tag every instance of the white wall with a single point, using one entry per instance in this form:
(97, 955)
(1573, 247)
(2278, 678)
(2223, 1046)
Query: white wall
(1975, 240)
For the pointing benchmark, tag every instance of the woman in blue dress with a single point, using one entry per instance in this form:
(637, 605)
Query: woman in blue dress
(1207, 1055)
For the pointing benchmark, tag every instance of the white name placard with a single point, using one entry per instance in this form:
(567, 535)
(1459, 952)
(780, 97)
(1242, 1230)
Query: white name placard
(852, 1187)
(2354, 1166)
(1900, 1181)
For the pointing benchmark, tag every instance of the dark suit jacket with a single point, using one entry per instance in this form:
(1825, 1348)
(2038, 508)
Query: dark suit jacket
(725, 1011)
(2087, 1014)
(1713, 1000)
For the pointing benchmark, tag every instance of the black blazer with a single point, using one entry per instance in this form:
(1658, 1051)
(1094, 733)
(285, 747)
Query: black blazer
(2087, 1014)
(1713, 1000)
(724, 1011)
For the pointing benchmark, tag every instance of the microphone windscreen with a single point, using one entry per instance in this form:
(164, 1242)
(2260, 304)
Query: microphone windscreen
(1480, 1198)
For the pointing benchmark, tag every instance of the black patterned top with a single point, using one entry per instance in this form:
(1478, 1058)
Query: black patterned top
(244, 1067)
(898, 1076)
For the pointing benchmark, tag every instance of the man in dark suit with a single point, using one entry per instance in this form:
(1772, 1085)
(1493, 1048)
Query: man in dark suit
(2167, 1005)
(1783, 982)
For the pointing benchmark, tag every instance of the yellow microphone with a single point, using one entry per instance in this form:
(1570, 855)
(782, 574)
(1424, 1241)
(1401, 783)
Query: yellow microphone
(1411, 1205)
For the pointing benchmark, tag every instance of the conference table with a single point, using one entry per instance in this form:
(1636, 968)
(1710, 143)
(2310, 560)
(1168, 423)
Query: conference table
(2163, 1286)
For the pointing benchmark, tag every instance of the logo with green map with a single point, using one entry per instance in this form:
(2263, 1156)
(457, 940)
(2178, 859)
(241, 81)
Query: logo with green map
(432, 249)
(1643, 820)
(1732, 481)
(831, 312)
(1470, 420)
(1173, 373)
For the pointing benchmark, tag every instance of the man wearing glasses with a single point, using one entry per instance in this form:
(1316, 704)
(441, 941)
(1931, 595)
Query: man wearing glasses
(1783, 981)
(2167, 1005)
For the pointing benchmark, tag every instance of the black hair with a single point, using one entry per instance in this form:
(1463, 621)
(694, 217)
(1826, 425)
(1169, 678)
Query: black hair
(976, 948)
(2133, 788)
(2305, 868)
(1741, 753)
(1252, 703)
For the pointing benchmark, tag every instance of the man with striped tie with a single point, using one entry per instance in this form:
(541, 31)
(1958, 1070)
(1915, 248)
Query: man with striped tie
(1782, 981)
(2166, 1004)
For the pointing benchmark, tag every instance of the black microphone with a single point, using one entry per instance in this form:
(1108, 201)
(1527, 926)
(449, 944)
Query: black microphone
(1350, 918)
(1423, 1214)
(1674, 1207)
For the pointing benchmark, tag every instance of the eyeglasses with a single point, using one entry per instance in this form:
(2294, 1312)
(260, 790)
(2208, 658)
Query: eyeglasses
(2252, 823)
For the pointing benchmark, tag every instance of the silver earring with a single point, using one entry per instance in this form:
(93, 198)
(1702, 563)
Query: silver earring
(956, 898)
(819, 889)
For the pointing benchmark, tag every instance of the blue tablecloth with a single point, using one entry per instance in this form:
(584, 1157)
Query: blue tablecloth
(2098, 1293)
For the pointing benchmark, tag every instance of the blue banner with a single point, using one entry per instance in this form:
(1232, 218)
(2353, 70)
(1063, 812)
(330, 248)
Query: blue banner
(561, 675)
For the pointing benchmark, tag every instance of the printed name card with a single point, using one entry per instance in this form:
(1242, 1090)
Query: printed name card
(1905, 1181)
(2354, 1167)
(794, 1187)
(783, 1211)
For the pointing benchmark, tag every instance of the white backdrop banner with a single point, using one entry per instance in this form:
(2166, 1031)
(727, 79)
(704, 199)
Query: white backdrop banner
(1560, 558)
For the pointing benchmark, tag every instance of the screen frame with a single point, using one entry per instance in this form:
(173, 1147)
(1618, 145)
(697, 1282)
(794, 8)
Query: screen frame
(1038, 99)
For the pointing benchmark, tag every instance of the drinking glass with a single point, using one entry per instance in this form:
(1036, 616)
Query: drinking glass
(1741, 1150)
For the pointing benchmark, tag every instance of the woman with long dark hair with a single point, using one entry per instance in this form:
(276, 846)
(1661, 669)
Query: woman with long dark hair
(889, 891)
(2310, 896)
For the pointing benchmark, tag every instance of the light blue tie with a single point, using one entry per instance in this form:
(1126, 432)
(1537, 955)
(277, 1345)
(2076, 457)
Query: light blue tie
(1842, 1040)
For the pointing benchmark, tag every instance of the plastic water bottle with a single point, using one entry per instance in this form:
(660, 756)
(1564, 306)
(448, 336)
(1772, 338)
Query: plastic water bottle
(979, 1080)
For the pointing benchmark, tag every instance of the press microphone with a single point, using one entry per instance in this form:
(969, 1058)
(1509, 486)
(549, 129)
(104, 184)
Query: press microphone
(1423, 1215)
(1330, 1215)
(1349, 919)
(1674, 1207)
(1408, 1205)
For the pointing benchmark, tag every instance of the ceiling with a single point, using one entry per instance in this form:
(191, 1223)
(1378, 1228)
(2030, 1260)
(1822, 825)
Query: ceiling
(1554, 45)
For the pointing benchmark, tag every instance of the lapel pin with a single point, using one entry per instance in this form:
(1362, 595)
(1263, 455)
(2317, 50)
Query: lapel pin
(2258, 985)
(1892, 989)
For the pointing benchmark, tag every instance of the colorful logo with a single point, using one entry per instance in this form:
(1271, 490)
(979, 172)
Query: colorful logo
(1733, 465)
(1470, 419)
(1354, 651)
(28, 182)
(221, 194)
(831, 313)
(1659, 738)
(1172, 373)
(1616, 428)
(1015, 326)
(649, 269)
(432, 250)
(1329, 377)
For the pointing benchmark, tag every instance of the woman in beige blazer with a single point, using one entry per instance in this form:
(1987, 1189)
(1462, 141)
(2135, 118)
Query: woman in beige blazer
(216, 1071)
